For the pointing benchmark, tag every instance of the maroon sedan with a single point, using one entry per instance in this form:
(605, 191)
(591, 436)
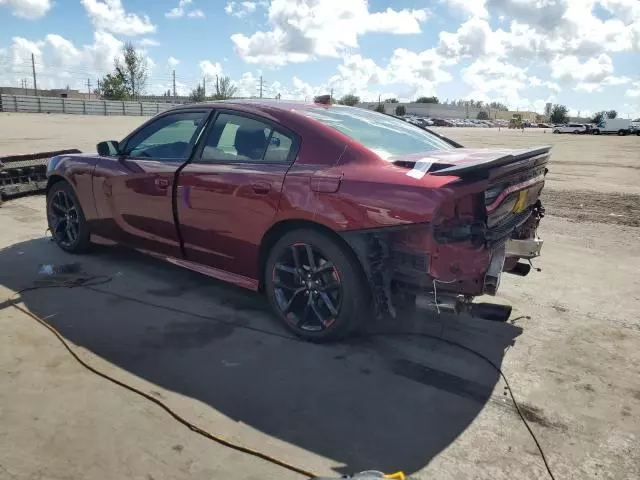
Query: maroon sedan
(339, 214)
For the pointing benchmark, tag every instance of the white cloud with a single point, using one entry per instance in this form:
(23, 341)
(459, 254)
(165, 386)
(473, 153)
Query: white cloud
(149, 42)
(406, 75)
(110, 15)
(178, 11)
(487, 76)
(398, 22)
(30, 9)
(58, 61)
(472, 8)
(627, 10)
(210, 69)
(536, 82)
(302, 30)
(240, 9)
(474, 38)
(184, 9)
(634, 91)
(570, 69)
(422, 71)
(172, 62)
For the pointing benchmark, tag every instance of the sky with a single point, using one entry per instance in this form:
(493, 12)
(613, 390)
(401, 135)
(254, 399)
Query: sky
(584, 54)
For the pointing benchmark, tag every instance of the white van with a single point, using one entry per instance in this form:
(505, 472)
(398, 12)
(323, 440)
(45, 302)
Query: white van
(621, 126)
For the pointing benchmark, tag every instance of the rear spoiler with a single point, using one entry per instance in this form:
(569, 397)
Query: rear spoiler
(467, 169)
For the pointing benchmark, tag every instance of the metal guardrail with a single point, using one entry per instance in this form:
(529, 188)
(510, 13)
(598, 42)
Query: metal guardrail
(31, 104)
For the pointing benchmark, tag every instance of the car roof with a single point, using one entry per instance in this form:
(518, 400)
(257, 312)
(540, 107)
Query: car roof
(259, 105)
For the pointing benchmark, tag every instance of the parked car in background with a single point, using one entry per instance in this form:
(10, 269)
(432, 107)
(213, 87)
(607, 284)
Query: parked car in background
(570, 128)
(336, 213)
(620, 126)
(439, 122)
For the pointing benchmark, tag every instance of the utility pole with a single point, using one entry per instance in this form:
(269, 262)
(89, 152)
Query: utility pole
(33, 68)
(217, 85)
(89, 88)
(331, 96)
(204, 86)
(174, 84)
(260, 86)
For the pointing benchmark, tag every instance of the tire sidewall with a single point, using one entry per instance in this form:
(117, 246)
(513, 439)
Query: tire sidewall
(82, 241)
(355, 305)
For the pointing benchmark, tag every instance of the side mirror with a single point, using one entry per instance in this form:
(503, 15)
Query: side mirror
(110, 148)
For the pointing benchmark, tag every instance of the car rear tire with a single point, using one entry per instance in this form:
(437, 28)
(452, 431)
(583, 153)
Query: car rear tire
(576, 132)
(316, 286)
(596, 132)
(66, 219)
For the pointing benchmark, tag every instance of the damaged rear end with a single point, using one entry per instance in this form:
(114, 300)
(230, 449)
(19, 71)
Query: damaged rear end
(485, 224)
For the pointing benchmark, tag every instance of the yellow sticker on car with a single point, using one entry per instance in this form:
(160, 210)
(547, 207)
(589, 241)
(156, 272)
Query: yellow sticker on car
(521, 203)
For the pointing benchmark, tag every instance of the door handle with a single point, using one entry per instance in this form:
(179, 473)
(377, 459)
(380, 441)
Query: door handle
(261, 188)
(162, 183)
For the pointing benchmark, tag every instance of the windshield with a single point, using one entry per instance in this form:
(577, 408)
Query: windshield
(385, 135)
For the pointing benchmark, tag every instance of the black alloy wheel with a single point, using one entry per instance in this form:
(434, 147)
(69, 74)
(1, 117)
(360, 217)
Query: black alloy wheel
(307, 286)
(66, 219)
(315, 286)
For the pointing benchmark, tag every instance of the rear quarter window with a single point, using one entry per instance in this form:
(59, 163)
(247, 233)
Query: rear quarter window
(383, 134)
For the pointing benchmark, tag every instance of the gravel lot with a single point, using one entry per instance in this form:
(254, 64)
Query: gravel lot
(571, 351)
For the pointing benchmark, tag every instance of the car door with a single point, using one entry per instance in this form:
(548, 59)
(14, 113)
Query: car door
(228, 195)
(133, 190)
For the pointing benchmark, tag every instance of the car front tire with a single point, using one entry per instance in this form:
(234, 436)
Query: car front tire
(315, 285)
(556, 131)
(66, 220)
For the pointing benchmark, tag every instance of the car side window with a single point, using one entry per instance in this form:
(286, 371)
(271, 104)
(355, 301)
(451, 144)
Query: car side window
(279, 147)
(235, 138)
(170, 137)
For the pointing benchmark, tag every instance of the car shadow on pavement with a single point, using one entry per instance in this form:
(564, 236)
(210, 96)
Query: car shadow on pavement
(378, 401)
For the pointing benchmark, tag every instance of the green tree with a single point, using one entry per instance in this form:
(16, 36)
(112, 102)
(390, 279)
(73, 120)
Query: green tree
(559, 114)
(129, 78)
(197, 94)
(598, 117)
(391, 100)
(225, 89)
(112, 87)
(379, 108)
(612, 114)
(133, 69)
(401, 111)
(428, 100)
(498, 106)
(482, 115)
(350, 100)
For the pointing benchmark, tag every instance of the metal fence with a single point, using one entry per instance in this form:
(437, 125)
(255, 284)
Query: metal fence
(31, 104)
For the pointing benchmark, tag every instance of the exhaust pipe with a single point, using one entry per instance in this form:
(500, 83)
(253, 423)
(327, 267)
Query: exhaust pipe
(491, 311)
(520, 269)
